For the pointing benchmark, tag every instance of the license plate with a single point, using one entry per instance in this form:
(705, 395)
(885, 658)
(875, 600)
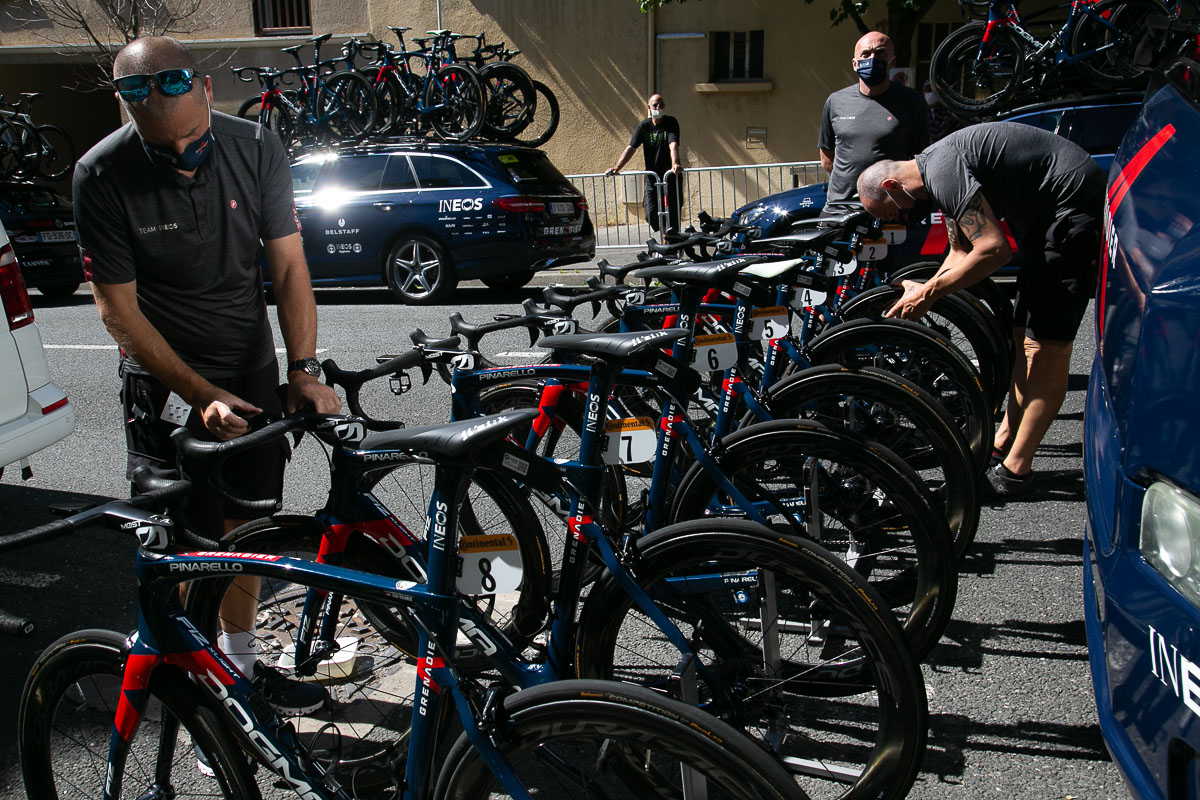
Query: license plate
(562, 209)
(57, 236)
(562, 230)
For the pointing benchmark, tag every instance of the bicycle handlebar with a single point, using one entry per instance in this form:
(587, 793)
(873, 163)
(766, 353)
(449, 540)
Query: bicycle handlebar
(352, 382)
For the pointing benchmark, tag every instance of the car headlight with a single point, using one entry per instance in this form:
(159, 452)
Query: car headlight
(753, 215)
(1170, 537)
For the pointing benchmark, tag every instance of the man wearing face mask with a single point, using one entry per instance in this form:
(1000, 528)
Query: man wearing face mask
(658, 136)
(873, 119)
(172, 209)
(1051, 191)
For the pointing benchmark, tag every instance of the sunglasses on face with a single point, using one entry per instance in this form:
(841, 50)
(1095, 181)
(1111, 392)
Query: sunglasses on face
(171, 82)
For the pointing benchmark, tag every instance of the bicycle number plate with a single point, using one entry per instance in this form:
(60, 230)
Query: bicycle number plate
(57, 236)
(895, 234)
(488, 564)
(873, 249)
(769, 323)
(562, 209)
(804, 297)
(629, 441)
(717, 351)
(839, 269)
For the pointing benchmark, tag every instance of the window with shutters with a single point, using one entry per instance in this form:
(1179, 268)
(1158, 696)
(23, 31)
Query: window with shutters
(282, 17)
(736, 56)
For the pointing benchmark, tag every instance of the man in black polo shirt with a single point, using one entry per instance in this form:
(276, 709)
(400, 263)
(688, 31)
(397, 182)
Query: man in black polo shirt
(171, 209)
(873, 119)
(658, 136)
(1051, 191)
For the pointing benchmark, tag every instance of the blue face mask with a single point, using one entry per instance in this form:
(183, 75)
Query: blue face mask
(872, 71)
(189, 160)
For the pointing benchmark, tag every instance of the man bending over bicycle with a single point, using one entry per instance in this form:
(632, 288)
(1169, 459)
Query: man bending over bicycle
(171, 209)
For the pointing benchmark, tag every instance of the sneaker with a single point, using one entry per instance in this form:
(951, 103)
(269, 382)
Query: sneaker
(998, 457)
(1003, 484)
(287, 696)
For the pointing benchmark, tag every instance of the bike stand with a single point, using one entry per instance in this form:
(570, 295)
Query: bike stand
(683, 688)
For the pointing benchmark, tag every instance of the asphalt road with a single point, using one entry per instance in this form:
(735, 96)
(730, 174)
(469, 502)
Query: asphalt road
(1012, 712)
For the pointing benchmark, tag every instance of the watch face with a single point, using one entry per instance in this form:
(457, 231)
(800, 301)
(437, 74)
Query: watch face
(309, 365)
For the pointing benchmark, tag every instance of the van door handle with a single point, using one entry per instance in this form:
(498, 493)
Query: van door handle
(384, 207)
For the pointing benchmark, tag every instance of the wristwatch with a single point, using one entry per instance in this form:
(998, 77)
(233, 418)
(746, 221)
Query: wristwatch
(309, 365)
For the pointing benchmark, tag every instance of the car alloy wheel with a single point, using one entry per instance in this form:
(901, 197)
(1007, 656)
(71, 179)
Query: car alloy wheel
(419, 272)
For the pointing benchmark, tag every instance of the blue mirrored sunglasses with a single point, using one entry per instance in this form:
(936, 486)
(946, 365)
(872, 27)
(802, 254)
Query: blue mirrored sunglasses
(171, 82)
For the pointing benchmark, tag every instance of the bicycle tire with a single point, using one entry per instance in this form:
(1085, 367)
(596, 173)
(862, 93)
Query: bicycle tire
(582, 738)
(1115, 66)
(545, 118)
(849, 697)
(985, 289)
(346, 103)
(855, 498)
(511, 100)
(19, 152)
(56, 152)
(970, 89)
(276, 118)
(456, 91)
(968, 326)
(391, 101)
(66, 716)
(922, 356)
(901, 416)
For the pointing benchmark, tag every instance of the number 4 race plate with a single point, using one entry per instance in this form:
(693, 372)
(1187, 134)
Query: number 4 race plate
(488, 564)
(629, 441)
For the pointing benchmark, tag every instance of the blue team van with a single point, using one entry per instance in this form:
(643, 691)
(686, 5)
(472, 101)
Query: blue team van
(1141, 455)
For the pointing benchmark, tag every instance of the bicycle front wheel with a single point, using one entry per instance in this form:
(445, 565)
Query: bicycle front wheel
(347, 106)
(976, 75)
(66, 719)
(271, 116)
(56, 152)
(805, 658)
(511, 100)
(593, 739)
(545, 118)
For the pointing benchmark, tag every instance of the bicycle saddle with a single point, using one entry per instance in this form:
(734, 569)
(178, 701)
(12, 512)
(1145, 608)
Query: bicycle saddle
(322, 39)
(708, 273)
(627, 345)
(466, 440)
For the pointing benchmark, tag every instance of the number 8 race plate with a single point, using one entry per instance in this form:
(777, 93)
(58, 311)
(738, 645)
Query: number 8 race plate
(488, 564)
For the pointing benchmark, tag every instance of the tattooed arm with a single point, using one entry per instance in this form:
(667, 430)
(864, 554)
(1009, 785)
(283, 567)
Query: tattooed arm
(978, 247)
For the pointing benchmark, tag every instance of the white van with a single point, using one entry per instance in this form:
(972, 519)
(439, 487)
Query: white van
(34, 412)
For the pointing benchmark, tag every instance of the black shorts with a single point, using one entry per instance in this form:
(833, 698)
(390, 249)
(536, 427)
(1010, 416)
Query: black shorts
(1058, 277)
(255, 475)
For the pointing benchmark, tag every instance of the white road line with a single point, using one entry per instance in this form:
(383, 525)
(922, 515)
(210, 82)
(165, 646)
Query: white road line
(278, 350)
(521, 354)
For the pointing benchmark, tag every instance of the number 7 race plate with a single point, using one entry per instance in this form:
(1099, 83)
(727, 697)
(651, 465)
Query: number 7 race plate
(629, 441)
(488, 564)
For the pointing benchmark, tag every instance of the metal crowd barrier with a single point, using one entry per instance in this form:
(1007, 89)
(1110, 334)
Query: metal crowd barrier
(615, 201)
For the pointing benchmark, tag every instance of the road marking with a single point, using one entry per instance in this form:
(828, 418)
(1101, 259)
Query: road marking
(278, 350)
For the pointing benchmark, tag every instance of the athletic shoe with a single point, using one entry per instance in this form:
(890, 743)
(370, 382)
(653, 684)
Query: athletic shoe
(287, 696)
(1001, 483)
(997, 457)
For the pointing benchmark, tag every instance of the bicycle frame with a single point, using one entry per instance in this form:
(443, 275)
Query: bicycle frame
(1004, 13)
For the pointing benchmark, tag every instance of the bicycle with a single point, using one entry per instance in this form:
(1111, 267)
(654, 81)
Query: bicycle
(598, 737)
(981, 67)
(28, 149)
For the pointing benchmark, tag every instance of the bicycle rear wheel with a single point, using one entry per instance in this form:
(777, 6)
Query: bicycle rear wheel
(511, 100)
(806, 659)
(847, 494)
(348, 106)
(458, 103)
(272, 117)
(1113, 29)
(974, 77)
(599, 739)
(66, 719)
(545, 118)
(56, 152)
(19, 152)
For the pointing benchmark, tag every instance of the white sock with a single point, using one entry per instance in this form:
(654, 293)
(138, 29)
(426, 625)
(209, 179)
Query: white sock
(242, 650)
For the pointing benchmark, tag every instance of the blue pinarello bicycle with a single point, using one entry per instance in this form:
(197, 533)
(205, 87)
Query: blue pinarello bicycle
(109, 716)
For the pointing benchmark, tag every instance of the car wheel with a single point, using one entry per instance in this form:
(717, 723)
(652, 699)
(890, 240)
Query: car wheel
(418, 271)
(57, 291)
(513, 281)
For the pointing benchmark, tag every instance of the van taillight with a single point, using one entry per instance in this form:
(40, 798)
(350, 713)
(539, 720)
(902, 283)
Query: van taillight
(17, 307)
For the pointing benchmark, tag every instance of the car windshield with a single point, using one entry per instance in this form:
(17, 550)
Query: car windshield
(32, 200)
(529, 169)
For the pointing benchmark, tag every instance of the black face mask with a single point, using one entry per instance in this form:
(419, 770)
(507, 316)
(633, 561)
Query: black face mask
(189, 160)
(872, 71)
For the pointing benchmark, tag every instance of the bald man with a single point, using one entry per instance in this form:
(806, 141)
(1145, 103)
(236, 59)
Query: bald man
(172, 209)
(658, 136)
(873, 119)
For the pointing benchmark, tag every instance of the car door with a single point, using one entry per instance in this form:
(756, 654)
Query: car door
(454, 200)
(342, 231)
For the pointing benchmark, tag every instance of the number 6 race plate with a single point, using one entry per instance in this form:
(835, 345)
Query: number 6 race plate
(629, 441)
(716, 351)
(488, 564)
